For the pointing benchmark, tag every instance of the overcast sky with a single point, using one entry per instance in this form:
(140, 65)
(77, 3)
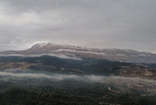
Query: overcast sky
(124, 24)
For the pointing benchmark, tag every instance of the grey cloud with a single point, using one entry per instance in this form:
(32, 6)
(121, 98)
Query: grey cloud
(102, 23)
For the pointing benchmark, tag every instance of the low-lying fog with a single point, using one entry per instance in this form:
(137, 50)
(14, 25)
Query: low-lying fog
(26, 74)
(27, 77)
(50, 76)
(59, 55)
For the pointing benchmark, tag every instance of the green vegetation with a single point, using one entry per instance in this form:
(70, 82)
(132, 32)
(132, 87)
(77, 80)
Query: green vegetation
(68, 93)
(54, 64)
(41, 91)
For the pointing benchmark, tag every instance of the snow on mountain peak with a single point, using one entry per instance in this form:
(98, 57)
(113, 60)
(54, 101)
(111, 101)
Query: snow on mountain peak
(39, 45)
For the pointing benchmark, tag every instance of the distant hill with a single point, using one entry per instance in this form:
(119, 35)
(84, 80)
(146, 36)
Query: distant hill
(76, 52)
(69, 66)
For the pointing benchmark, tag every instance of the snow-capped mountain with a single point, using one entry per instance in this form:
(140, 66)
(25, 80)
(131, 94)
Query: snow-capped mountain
(76, 52)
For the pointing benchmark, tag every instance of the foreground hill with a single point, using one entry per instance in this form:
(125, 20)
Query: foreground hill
(75, 52)
(83, 67)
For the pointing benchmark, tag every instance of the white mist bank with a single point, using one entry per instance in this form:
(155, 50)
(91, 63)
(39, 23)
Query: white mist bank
(86, 78)
(91, 78)
(61, 56)
(46, 78)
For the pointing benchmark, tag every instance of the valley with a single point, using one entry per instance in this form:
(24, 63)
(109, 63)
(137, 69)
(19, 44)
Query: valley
(55, 74)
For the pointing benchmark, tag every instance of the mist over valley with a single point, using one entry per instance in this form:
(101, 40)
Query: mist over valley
(77, 52)
(54, 71)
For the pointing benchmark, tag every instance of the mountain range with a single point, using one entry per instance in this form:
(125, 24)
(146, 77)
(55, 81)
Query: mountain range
(78, 60)
(78, 53)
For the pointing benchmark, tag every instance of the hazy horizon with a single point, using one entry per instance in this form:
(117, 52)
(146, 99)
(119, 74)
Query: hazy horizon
(46, 42)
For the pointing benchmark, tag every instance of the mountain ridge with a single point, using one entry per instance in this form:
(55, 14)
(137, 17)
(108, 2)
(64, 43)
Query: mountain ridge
(68, 51)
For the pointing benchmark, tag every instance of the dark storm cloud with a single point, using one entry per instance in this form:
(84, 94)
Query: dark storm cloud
(126, 24)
